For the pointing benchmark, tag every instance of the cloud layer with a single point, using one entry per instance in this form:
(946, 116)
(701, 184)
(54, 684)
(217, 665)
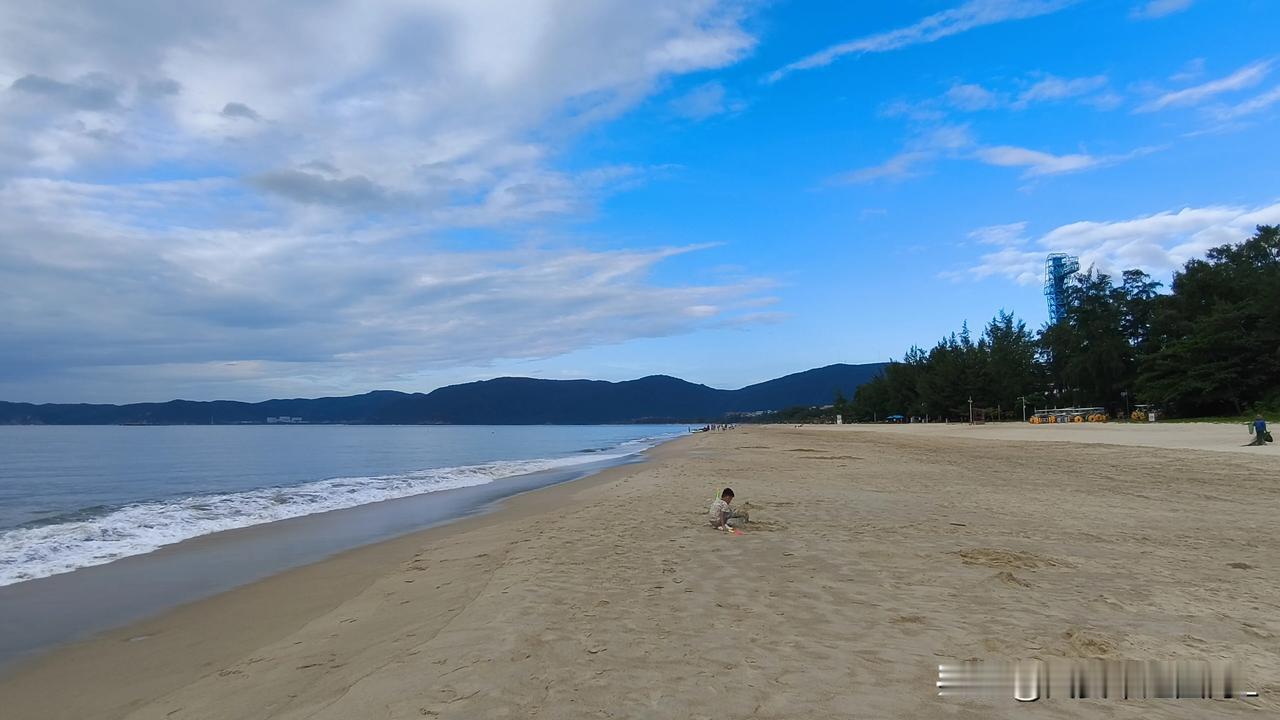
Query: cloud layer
(1152, 9)
(1245, 77)
(326, 154)
(1159, 243)
(372, 304)
(956, 142)
(968, 16)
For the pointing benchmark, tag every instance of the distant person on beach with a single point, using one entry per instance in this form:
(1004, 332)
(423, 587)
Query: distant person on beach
(722, 515)
(1260, 434)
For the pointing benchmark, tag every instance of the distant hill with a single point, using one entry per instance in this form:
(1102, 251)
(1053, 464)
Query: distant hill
(501, 401)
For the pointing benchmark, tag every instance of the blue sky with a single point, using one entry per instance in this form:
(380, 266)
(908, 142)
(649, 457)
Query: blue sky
(245, 200)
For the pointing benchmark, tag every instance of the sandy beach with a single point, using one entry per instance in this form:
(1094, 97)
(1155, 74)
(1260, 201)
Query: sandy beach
(874, 554)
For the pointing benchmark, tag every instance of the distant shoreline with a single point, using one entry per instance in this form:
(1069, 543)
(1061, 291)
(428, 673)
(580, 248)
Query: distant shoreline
(656, 399)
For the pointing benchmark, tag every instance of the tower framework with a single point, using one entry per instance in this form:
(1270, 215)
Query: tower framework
(1058, 270)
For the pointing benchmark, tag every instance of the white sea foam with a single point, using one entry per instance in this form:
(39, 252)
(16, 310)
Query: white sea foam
(38, 551)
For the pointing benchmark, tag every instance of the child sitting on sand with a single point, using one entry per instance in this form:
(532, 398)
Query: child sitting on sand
(724, 517)
(1259, 430)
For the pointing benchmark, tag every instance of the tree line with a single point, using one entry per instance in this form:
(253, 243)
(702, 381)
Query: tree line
(1208, 346)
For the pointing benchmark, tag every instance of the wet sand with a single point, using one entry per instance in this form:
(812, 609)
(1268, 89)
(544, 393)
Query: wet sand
(52, 611)
(874, 555)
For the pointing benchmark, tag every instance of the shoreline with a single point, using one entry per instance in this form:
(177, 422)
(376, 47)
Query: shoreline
(871, 557)
(328, 581)
(47, 613)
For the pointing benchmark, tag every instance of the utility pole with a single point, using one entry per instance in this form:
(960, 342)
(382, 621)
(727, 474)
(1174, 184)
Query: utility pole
(1024, 407)
(970, 409)
(1125, 393)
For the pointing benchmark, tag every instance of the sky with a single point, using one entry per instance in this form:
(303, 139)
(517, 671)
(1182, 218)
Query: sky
(245, 200)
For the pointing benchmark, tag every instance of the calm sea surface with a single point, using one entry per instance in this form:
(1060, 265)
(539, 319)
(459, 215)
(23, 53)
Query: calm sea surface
(73, 497)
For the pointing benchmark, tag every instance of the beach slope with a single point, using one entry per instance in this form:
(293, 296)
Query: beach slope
(871, 557)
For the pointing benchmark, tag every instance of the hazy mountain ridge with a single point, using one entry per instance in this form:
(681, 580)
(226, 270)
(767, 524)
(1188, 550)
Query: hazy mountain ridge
(505, 400)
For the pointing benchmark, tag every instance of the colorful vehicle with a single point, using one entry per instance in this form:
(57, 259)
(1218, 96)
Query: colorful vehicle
(1062, 416)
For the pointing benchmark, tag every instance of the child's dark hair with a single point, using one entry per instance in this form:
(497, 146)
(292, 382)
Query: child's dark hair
(728, 492)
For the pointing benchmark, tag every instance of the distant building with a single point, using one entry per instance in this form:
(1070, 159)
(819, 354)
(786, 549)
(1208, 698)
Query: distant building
(284, 419)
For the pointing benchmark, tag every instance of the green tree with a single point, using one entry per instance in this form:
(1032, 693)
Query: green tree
(1139, 296)
(1216, 336)
(1010, 369)
(1211, 345)
(1088, 355)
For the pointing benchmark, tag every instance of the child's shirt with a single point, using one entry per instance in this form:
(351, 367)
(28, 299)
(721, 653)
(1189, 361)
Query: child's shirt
(718, 507)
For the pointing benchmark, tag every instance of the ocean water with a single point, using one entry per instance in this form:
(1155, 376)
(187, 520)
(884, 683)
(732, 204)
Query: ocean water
(74, 497)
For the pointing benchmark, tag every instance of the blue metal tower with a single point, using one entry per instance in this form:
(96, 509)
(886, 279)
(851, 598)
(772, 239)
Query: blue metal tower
(1058, 269)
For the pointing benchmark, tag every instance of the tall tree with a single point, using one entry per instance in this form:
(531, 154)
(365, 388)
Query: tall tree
(1010, 370)
(1218, 332)
(1089, 355)
(1212, 344)
(1139, 294)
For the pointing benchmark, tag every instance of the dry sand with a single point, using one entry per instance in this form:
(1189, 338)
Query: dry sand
(874, 554)
(1218, 437)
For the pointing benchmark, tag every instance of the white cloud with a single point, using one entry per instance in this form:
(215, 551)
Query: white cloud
(1104, 100)
(899, 167)
(1039, 88)
(1152, 9)
(1036, 162)
(1253, 105)
(957, 142)
(927, 110)
(946, 137)
(971, 97)
(945, 140)
(378, 90)
(1246, 76)
(112, 285)
(968, 16)
(1016, 263)
(1052, 88)
(1002, 235)
(704, 101)
(1191, 71)
(350, 140)
(1158, 244)
(1042, 163)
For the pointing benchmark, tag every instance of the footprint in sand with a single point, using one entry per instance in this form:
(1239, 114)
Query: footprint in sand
(1084, 644)
(1009, 578)
(997, 558)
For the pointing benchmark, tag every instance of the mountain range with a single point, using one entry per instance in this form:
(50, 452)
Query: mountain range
(501, 401)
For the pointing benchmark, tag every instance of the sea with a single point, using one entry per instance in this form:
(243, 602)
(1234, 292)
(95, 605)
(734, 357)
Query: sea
(102, 526)
(73, 497)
